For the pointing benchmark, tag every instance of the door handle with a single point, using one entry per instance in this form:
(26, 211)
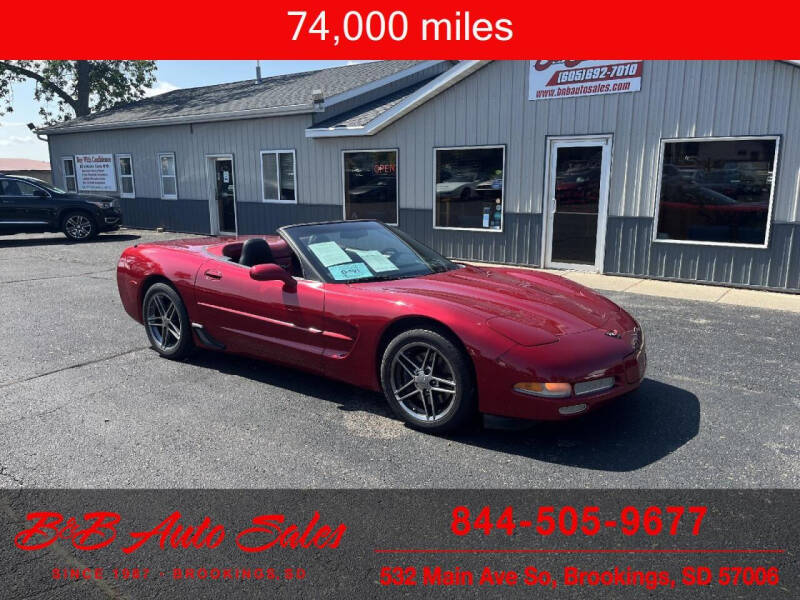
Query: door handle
(210, 274)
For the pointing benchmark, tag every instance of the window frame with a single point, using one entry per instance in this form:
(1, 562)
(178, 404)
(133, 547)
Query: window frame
(261, 154)
(129, 156)
(161, 177)
(436, 149)
(734, 138)
(64, 175)
(396, 180)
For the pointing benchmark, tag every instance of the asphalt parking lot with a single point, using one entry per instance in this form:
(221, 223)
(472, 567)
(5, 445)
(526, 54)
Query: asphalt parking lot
(84, 402)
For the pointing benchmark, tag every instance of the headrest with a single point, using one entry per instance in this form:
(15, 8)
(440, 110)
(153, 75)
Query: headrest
(255, 251)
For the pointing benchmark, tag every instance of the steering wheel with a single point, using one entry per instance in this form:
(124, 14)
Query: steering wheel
(396, 256)
(318, 238)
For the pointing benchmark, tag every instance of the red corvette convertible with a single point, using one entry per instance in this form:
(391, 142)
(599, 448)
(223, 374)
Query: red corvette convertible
(366, 304)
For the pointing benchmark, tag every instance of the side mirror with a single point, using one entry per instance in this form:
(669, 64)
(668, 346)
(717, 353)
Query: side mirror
(272, 272)
(41, 194)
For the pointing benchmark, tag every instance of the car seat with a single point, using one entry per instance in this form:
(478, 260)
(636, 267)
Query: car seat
(256, 251)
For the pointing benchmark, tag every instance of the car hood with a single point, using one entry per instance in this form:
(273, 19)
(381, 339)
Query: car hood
(512, 297)
(88, 198)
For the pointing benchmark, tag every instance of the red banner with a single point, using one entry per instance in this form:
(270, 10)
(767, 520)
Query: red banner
(416, 30)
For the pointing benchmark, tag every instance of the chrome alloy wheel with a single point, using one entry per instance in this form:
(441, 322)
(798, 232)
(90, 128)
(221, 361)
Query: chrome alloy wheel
(163, 322)
(78, 227)
(423, 382)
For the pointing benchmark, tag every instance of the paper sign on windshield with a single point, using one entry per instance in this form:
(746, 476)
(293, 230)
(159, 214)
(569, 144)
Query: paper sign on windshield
(376, 261)
(350, 271)
(329, 253)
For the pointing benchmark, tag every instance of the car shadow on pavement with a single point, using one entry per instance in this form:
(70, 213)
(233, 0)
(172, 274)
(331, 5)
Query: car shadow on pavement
(60, 240)
(627, 434)
(348, 397)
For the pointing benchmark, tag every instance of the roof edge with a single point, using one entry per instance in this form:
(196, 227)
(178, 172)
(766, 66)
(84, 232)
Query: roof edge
(379, 83)
(433, 88)
(276, 111)
(245, 114)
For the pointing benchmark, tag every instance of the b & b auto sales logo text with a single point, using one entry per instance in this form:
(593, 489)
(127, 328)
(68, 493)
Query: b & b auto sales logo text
(99, 530)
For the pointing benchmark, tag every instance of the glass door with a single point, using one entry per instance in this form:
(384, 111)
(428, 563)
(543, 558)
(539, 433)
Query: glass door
(577, 202)
(225, 192)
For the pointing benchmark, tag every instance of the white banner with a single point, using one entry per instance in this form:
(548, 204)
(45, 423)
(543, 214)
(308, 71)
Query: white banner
(95, 172)
(577, 78)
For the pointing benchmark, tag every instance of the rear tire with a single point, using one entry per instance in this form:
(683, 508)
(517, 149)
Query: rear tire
(167, 322)
(428, 382)
(79, 226)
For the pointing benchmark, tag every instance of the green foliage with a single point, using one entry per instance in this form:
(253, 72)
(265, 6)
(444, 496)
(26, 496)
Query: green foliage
(77, 87)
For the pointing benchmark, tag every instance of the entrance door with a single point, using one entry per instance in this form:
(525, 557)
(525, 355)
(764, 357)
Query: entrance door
(225, 195)
(577, 202)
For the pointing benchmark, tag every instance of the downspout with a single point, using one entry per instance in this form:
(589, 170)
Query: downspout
(35, 131)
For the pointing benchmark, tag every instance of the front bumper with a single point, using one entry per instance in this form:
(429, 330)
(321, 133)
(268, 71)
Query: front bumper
(575, 359)
(110, 219)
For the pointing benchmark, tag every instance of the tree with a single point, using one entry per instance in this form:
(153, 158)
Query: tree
(78, 87)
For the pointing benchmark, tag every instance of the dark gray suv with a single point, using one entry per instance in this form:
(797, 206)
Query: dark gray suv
(29, 205)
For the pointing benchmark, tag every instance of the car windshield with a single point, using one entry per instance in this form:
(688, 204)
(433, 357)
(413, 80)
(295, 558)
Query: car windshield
(360, 251)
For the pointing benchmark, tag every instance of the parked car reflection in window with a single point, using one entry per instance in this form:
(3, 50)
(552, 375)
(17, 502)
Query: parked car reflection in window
(469, 187)
(370, 185)
(716, 190)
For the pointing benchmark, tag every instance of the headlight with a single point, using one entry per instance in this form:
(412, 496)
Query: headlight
(638, 338)
(635, 337)
(544, 389)
(100, 204)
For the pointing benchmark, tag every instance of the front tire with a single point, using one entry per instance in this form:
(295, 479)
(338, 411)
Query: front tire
(167, 322)
(427, 381)
(79, 227)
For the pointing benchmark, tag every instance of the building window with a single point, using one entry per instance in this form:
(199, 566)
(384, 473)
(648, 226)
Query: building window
(469, 188)
(278, 176)
(717, 191)
(70, 181)
(370, 185)
(169, 180)
(125, 172)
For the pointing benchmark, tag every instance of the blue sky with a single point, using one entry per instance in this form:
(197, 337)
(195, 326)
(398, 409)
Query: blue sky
(16, 141)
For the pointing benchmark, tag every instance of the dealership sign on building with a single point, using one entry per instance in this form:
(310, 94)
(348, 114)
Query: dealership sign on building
(95, 172)
(576, 78)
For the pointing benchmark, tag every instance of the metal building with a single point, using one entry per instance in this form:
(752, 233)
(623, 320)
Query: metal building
(664, 169)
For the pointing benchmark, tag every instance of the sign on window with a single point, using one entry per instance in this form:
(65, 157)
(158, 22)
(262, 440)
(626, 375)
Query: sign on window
(95, 172)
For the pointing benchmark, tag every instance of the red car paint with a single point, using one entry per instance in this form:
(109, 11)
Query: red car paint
(516, 325)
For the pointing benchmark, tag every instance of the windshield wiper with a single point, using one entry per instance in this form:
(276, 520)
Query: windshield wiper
(385, 278)
(438, 266)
